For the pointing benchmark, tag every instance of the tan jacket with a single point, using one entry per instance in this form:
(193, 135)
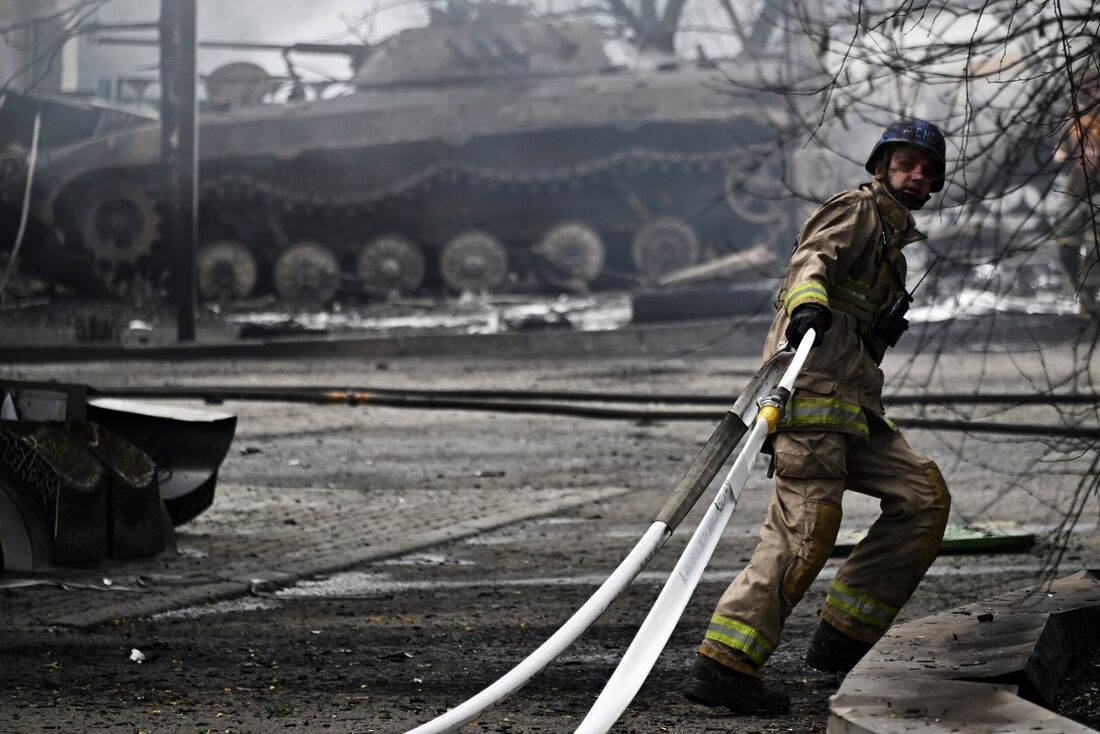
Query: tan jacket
(843, 261)
(1081, 142)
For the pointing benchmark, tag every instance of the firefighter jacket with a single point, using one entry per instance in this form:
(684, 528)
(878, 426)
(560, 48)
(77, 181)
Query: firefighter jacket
(1081, 143)
(848, 259)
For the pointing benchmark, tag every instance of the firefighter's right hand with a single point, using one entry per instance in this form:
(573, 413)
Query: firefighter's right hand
(805, 317)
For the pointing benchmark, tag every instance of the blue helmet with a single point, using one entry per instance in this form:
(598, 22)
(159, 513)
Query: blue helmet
(913, 132)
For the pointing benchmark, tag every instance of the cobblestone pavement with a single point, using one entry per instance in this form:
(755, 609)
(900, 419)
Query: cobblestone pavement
(305, 488)
(254, 538)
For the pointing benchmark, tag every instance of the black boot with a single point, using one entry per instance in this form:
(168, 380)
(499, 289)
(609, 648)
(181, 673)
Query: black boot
(832, 651)
(713, 684)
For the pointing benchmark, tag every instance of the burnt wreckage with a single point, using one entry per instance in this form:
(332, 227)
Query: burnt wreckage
(85, 479)
(489, 150)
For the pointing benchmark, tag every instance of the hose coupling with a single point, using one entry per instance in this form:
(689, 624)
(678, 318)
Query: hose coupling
(355, 397)
(773, 408)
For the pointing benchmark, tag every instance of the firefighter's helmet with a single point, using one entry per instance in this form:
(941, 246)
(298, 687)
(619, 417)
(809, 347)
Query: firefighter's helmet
(920, 133)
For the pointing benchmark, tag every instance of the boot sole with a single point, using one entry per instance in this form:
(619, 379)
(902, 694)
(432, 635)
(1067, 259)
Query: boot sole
(712, 695)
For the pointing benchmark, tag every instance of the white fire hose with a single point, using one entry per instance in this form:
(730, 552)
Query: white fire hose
(658, 625)
(698, 477)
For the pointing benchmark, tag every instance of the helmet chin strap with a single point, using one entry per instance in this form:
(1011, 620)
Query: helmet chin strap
(907, 200)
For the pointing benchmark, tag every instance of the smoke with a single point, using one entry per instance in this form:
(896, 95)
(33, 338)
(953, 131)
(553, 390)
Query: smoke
(246, 21)
(277, 21)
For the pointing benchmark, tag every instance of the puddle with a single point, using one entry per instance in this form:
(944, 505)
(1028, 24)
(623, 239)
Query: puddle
(244, 604)
(358, 583)
(469, 315)
(425, 559)
(354, 584)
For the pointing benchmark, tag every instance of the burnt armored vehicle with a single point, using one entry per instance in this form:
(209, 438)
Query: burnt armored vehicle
(488, 150)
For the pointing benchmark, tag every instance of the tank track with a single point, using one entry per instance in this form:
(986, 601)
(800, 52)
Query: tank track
(288, 200)
(282, 198)
(452, 171)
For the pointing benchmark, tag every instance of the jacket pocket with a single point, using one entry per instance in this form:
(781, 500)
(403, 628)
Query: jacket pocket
(817, 382)
(811, 455)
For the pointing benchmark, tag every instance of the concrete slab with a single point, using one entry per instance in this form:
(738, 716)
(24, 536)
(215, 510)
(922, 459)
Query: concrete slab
(992, 666)
(270, 536)
(942, 706)
(655, 339)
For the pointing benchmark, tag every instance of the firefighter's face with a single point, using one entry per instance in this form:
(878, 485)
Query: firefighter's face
(911, 170)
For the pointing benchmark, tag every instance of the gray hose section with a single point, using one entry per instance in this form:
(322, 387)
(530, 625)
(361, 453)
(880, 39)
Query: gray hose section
(731, 429)
(395, 399)
(705, 467)
(254, 392)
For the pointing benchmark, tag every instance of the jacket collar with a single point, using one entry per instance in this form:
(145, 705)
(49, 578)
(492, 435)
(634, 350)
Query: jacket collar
(896, 217)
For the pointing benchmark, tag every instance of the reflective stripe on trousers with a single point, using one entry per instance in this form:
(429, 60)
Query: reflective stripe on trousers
(739, 636)
(859, 606)
(813, 469)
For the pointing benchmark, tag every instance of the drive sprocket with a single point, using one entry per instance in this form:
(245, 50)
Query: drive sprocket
(117, 220)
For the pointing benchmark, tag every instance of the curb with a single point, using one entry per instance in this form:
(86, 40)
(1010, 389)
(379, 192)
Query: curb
(992, 666)
(629, 339)
(737, 334)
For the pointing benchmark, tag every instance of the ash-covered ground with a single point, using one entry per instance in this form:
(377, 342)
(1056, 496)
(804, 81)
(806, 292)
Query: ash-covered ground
(393, 642)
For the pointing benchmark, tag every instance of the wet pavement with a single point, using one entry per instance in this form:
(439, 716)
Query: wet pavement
(365, 568)
(49, 322)
(255, 539)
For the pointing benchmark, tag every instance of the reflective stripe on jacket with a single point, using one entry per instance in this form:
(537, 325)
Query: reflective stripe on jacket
(848, 259)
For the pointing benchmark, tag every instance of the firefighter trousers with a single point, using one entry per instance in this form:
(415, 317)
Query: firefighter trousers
(812, 471)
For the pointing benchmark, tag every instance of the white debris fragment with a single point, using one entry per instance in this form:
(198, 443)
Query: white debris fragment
(137, 656)
(7, 411)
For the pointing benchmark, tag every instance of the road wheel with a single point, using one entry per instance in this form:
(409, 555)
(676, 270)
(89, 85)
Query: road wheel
(226, 271)
(663, 246)
(306, 274)
(474, 261)
(571, 255)
(390, 263)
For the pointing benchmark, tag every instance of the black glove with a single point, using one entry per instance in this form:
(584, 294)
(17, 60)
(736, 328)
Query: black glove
(805, 317)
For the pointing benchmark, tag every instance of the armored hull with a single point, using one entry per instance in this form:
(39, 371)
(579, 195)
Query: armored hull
(493, 178)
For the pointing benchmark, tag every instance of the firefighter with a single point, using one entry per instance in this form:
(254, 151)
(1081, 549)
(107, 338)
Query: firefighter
(846, 280)
(1074, 230)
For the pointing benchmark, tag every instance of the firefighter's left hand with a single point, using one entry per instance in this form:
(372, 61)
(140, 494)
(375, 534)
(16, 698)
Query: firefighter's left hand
(805, 317)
